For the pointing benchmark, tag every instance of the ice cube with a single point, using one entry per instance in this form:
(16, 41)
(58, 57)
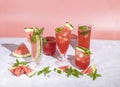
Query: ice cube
(65, 39)
(81, 55)
(65, 34)
(60, 37)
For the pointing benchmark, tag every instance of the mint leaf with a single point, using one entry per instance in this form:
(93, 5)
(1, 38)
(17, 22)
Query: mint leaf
(69, 71)
(58, 71)
(19, 63)
(41, 31)
(45, 71)
(45, 41)
(73, 72)
(84, 32)
(36, 34)
(40, 72)
(59, 29)
(24, 63)
(83, 27)
(94, 75)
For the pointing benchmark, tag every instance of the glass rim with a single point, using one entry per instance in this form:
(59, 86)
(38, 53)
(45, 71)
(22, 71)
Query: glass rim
(85, 27)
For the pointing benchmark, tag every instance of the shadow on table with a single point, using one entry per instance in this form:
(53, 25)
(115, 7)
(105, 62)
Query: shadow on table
(56, 55)
(11, 47)
(71, 58)
(73, 43)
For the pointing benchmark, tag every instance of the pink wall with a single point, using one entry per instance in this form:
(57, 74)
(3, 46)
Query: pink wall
(17, 14)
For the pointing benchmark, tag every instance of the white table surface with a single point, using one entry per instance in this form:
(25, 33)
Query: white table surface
(105, 53)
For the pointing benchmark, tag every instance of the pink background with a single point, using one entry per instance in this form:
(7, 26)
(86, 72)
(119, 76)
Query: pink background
(104, 15)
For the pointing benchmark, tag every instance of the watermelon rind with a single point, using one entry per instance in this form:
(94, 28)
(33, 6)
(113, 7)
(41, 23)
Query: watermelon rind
(78, 48)
(70, 26)
(21, 56)
(31, 73)
(28, 29)
(94, 68)
(39, 48)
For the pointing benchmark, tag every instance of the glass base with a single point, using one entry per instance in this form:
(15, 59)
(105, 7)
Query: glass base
(62, 62)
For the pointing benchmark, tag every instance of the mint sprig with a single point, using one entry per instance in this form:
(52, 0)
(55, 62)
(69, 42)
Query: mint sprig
(45, 71)
(94, 75)
(85, 30)
(59, 29)
(86, 51)
(36, 33)
(45, 40)
(74, 72)
(19, 63)
(58, 71)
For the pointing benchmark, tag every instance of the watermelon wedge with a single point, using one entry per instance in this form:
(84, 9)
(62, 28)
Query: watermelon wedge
(21, 69)
(29, 33)
(61, 69)
(21, 51)
(89, 70)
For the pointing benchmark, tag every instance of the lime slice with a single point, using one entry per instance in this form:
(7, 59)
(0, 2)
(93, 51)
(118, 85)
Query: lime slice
(84, 50)
(70, 26)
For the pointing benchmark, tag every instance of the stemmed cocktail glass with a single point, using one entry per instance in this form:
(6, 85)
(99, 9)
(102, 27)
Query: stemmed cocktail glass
(63, 40)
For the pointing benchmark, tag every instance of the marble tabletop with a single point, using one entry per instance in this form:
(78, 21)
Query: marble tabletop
(105, 55)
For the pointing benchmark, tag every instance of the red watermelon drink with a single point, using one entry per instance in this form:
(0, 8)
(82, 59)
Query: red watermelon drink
(84, 33)
(49, 45)
(82, 57)
(34, 36)
(63, 39)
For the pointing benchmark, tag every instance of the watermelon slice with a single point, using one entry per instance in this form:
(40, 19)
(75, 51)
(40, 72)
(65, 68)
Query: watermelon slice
(29, 33)
(89, 70)
(70, 26)
(21, 69)
(21, 51)
(61, 69)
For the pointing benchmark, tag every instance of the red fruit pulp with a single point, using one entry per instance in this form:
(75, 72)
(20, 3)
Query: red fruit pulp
(63, 39)
(82, 60)
(49, 48)
(84, 37)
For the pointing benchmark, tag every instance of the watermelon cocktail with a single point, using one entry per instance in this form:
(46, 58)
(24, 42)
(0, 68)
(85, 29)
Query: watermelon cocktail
(82, 57)
(84, 33)
(63, 39)
(34, 36)
(49, 45)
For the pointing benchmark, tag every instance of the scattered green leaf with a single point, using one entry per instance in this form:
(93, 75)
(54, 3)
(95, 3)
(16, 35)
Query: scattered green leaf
(45, 41)
(36, 34)
(73, 72)
(58, 71)
(19, 63)
(84, 32)
(94, 75)
(45, 71)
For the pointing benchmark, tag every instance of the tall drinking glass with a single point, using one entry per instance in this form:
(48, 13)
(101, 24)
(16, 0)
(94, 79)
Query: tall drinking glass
(84, 33)
(82, 57)
(34, 36)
